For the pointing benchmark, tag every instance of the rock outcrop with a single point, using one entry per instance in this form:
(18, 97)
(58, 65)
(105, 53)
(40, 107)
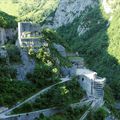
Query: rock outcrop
(60, 49)
(3, 37)
(68, 10)
(27, 66)
(6, 34)
(3, 52)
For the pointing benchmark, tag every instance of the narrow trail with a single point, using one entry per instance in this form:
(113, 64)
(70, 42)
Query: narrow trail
(48, 111)
(93, 106)
(32, 98)
(30, 115)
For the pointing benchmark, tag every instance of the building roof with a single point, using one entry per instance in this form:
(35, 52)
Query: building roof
(86, 72)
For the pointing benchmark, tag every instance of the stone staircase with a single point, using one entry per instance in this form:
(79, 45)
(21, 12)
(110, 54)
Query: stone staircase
(98, 86)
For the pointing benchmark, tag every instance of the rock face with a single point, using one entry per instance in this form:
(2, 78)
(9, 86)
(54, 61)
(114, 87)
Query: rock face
(3, 37)
(60, 49)
(10, 33)
(68, 10)
(27, 66)
(3, 53)
(6, 34)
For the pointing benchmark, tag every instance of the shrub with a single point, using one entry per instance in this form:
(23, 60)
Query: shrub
(7, 21)
(13, 54)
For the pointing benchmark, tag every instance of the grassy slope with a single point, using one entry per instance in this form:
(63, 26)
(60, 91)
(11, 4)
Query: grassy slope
(37, 11)
(114, 36)
(9, 7)
(8, 13)
(7, 21)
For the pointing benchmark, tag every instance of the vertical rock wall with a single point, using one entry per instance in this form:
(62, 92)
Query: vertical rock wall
(6, 34)
(68, 10)
(3, 38)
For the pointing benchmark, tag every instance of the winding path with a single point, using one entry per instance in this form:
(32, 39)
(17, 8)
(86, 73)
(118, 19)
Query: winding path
(32, 98)
(94, 106)
(50, 111)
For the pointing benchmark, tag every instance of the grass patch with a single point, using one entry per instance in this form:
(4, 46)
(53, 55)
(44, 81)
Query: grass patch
(9, 7)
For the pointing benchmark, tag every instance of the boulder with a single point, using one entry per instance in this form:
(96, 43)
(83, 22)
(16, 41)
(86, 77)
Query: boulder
(60, 49)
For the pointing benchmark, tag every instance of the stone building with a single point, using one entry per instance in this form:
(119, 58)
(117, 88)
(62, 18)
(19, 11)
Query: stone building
(28, 34)
(91, 83)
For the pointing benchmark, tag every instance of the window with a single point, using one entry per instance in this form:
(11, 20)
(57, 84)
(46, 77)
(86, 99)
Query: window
(82, 79)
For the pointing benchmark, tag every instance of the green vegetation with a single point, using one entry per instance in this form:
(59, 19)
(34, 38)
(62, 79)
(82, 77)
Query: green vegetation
(13, 53)
(100, 114)
(59, 96)
(99, 44)
(47, 70)
(68, 114)
(37, 11)
(52, 37)
(6, 71)
(7, 21)
(12, 91)
(110, 100)
(75, 114)
(10, 7)
(8, 13)
(43, 75)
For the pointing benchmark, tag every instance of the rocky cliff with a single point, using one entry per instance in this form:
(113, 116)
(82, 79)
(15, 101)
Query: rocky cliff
(7, 34)
(67, 11)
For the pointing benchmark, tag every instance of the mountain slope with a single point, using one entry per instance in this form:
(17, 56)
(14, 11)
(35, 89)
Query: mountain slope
(7, 21)
(37, 11)
(96, 38)
(87, 29)
(9, 6)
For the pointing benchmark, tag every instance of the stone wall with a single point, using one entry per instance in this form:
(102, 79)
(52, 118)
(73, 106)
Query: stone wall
(92, 86)
(28, 26)
(31, 43)
(86, 84)
(28, 34)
